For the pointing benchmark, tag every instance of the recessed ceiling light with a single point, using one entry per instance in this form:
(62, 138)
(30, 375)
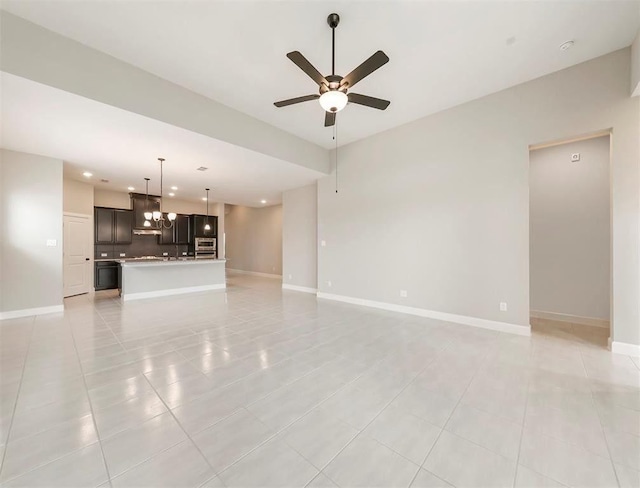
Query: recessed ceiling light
(174, 188)
(86, 174)
(172, 194)
(130, 188)
(263, 201)
(566, 45)
(204, 199)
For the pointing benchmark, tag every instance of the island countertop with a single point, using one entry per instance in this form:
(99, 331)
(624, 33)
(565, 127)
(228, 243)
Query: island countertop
(168, 262)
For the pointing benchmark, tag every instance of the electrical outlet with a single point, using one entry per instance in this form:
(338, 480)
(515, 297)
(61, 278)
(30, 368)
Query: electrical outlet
(503, 306)
(123, 254)
(323, 243)
(184, 253)
(329, 284)
(52, 242)
(273, 268)
(103, 254)
(164, 254)
(290, 276)
(575, 157)
(403, 293)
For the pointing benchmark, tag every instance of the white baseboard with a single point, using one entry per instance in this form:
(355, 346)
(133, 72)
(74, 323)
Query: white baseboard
(255, 273)
(286, 286)
(172, 291)
(574, 319)
(625, 348)
(29, 312)
(523, 330)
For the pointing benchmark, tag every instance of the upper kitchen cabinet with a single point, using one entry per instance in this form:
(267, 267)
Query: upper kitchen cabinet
(183, 229)
(123, 226)
(113, 225)
(178, 233)
(140, 205)
(199, 221)
(103, 218)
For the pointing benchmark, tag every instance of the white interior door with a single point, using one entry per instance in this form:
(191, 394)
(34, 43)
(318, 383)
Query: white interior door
(77, 255)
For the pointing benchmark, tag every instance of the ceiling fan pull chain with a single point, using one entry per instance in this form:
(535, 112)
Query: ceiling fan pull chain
(335, 138)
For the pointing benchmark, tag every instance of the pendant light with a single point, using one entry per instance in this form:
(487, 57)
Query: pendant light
(206, 225)
(156, 215)
(147, 214)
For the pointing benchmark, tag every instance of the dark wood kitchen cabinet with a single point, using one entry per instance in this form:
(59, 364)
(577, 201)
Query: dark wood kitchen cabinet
(103, 219)
(107, 275)
(199, 221)
(140, 204)
(183, 229)
(179, 233)
(123, 226)
(113, 225)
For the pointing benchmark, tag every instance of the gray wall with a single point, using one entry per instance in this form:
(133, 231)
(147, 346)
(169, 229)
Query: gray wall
(635, 66)
(569, 229)
(439, 207)
(299, 237)
(254, 238)
(30, 214)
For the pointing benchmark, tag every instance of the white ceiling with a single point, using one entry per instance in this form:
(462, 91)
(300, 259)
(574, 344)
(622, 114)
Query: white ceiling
(121, 147)
(442, 53)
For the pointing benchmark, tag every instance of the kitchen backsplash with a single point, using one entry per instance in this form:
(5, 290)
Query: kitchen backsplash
(140, 246)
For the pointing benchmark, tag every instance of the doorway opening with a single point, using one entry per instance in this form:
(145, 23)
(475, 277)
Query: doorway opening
(570, 239)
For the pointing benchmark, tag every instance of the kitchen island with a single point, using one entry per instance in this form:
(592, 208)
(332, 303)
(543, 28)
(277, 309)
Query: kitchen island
(157, 278)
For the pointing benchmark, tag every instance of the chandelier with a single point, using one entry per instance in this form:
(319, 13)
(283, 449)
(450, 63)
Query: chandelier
(157, 216)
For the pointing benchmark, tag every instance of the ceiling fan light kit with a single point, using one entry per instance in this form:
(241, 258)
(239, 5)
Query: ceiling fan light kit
(333, 89)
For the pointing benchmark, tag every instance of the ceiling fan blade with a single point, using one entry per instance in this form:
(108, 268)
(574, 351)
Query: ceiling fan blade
(372, 102)
(377, 60)
(329, 119)
(307, 67)
(291, 101)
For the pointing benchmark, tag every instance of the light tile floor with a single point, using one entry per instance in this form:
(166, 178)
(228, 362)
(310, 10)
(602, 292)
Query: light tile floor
(260, 387)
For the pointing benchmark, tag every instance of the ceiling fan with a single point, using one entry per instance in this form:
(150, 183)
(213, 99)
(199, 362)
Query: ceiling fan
(333, 88)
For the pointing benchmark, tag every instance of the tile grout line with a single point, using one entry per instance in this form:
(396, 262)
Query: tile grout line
(380, 413)
(595, 406)
(86, 389)
(15, 404)
(443, 428)
(224, 418)
(277, 432)
(524, 420)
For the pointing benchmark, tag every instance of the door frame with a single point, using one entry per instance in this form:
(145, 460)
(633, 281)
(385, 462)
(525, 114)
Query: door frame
(90, 238)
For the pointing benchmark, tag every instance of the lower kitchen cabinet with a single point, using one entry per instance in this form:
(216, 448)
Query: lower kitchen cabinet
(107, 275)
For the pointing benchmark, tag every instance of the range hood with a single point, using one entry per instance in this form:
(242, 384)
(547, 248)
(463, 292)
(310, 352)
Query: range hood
(145, 231)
